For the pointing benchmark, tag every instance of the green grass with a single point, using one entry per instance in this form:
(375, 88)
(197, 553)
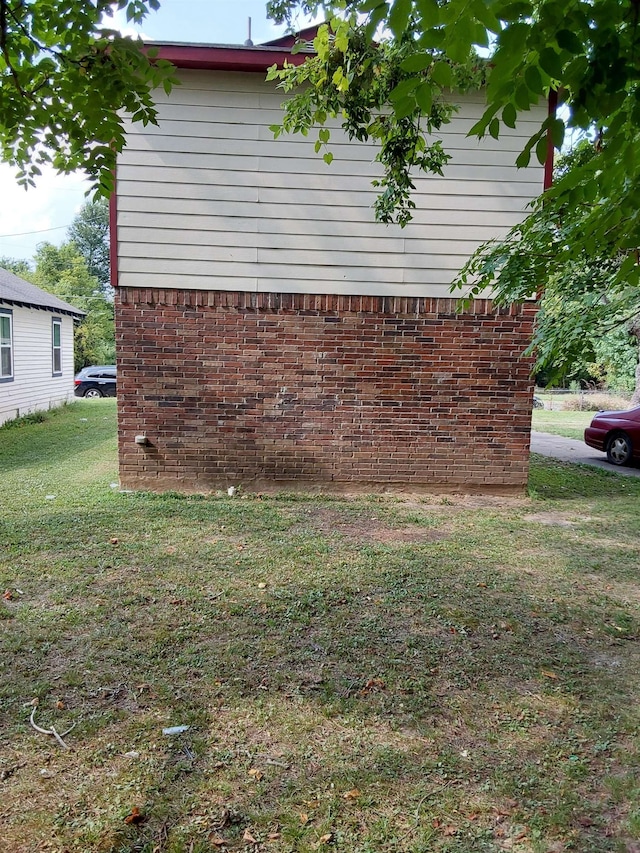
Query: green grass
(571, 424)
(433, 674)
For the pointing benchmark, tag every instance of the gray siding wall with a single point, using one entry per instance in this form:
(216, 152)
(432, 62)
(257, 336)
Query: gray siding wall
(209, 200)
(34, 387)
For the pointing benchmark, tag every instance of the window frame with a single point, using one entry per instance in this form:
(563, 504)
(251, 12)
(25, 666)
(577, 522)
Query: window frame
(56, 323)
(8, 313)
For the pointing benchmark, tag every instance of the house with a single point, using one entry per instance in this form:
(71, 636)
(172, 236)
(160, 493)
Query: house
(36, 348)
(271, 334)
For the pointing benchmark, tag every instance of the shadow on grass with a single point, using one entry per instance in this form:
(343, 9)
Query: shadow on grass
(402, 698)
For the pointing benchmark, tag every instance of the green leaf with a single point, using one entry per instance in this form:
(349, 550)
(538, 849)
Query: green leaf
(399, 17)
(514, 11)
(328, 158)
(551, 63)
(494, 128)
(417, 62)
(404, 107)
(441, 74)
(404, 88)
(570, 42)
(523, 159)
(509, 115)
(557, 132)
(522, 97)
(424, 97)
(542, 149)
(533, 80)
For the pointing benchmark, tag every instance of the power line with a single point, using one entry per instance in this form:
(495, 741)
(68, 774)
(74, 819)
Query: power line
(27, 233)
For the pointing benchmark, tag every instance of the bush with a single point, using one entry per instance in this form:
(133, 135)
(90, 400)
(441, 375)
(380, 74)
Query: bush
(593, 402)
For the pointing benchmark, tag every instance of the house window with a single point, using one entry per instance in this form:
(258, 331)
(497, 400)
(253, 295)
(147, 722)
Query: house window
(6, 345)
(56, 345)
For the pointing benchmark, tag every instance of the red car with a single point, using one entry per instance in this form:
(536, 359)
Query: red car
(617, 434)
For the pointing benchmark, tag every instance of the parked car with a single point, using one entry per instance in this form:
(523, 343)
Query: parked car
(617, 434)
(98, 381)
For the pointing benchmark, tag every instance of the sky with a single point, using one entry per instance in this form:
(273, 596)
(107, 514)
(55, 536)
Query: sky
(43, 213)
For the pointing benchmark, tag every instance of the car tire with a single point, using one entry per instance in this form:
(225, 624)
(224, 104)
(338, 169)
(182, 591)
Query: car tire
(92, 393)
(619, 449)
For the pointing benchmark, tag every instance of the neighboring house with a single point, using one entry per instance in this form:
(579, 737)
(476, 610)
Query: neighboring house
(271, 333)
(36, 348)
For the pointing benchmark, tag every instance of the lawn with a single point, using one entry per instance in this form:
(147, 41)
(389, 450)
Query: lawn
(569, 423)
(376, 674)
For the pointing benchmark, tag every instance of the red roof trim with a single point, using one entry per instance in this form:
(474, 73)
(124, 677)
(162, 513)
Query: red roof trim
(225, 57)
(113, 233)
(307, 34)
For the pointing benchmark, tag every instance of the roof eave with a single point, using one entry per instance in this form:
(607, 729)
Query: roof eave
(54, 309)
(225, 57)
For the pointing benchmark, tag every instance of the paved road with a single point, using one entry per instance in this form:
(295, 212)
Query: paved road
(572, 450)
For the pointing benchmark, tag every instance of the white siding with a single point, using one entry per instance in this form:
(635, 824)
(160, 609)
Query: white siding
(209, 200)
(34, 388)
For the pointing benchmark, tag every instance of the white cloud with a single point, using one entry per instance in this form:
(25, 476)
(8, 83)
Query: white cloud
(43, 212)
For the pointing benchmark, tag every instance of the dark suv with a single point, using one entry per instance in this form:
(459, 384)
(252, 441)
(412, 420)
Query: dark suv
(97, 381)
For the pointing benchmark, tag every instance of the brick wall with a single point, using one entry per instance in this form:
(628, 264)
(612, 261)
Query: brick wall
(342, 393)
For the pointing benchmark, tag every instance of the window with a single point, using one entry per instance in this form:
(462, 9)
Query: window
(6, 345)
(56, 342)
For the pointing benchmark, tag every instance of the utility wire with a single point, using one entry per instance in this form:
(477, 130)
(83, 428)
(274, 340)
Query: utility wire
(41, 231)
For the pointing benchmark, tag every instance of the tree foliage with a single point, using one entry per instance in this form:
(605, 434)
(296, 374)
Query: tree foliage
(588, 51)
(89, 232)
(62, 270)
(587, 308)
(67, 79)
(17, 267)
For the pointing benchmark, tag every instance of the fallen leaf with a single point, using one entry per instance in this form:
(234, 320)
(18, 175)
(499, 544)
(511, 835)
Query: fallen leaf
(217, 841)
(249, 838)
(257, 774)
(114, 540)
(135, 817)
(327, 838)
(449, 830)
(548, 674)
(60, 705)
(353, 794)
(373, 684)
(304, 818)
(7, 595)
(273, 836)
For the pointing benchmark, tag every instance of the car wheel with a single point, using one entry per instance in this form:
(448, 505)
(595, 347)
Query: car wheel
(619, 449)
(92, 393)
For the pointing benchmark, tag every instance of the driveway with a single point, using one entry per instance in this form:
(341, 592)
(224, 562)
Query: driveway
(574, 450)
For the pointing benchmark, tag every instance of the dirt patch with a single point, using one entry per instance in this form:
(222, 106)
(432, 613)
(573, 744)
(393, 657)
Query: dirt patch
(556, 519)
(369, 528)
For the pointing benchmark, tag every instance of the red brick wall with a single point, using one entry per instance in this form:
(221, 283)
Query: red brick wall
(342, 392)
